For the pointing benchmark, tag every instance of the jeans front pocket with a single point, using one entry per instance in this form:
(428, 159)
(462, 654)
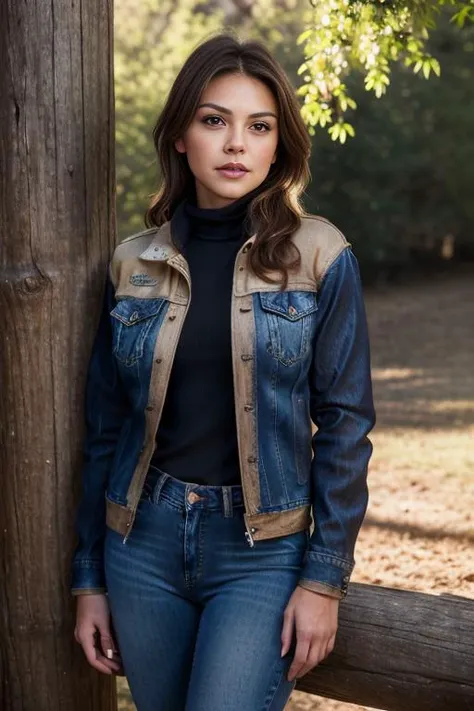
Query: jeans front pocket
(290, 319)
(132, 320)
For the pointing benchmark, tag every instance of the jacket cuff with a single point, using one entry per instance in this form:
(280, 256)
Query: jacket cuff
(326, 573)
(88, 591)
(87, 577)
(320, 588)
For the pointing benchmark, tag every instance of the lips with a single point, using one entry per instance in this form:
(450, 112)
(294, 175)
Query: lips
(238, 167)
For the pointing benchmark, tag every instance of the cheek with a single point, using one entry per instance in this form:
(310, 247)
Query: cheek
(199, 146)
(266, 151)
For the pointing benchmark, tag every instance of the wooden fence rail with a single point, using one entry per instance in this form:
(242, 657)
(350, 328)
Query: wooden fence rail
(399, 650)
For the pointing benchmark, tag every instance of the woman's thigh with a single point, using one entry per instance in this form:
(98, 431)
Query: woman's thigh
(237, 664)
(155, 624)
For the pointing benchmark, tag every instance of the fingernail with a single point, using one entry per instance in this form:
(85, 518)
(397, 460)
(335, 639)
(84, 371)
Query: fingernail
(109, 653)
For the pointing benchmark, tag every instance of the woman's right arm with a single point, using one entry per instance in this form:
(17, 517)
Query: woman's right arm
(105, 413)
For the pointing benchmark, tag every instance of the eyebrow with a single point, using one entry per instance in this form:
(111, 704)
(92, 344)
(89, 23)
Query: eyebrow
(223, 110)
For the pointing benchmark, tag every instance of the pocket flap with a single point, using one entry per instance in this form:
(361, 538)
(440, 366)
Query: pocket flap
(131, 311)
(292, 305)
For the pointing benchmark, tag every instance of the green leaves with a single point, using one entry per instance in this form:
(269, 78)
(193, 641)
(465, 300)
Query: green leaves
(339, 131)
(368, 36)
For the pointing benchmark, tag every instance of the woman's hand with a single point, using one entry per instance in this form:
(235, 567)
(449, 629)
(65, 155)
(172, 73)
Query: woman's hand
(94, 633)
(315, 618)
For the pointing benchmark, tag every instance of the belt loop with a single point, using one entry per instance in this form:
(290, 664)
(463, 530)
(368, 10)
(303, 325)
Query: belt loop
(227, 498)
(158, 486)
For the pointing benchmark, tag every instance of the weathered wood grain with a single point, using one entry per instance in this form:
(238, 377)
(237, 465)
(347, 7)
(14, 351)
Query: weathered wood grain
(57, 232)
(399, 650)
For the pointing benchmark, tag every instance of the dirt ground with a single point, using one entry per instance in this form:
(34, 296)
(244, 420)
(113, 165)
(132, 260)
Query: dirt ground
(418, 533)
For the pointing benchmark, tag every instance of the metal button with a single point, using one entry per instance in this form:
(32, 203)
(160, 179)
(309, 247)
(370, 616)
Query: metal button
(172, 317)
(241, 269)
(246, 248)
(158, 360)
(292, 310)
(193, 497)
(150, 408)
(134, 316)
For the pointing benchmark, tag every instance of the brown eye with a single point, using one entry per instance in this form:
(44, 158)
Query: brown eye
(265, 126)
(210, 118)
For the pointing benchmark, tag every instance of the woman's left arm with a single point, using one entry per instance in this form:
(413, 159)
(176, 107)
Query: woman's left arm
(341, 406)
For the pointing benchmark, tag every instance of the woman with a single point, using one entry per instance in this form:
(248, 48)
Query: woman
(228, 326)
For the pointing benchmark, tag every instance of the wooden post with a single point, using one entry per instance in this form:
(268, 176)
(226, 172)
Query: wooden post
(57, 233)
(399, 650)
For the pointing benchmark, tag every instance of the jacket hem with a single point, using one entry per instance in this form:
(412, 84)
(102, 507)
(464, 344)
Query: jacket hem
(118, 517)
(278, 523)
(262, 526)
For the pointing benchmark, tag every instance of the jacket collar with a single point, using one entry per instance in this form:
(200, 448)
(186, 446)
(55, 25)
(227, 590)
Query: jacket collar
(171, 238)
(161, 248)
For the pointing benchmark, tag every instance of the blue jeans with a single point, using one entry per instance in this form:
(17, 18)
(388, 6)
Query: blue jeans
(197, 612)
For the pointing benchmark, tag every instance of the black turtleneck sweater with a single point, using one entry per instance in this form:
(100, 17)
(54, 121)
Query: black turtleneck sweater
(197, 436)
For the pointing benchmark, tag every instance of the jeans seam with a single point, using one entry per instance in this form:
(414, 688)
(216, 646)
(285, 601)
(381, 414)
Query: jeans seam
(267, 706)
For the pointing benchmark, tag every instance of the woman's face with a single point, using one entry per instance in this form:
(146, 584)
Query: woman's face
(236, 122)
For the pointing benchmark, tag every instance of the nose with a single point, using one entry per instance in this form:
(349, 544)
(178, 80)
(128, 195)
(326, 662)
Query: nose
(235, 143)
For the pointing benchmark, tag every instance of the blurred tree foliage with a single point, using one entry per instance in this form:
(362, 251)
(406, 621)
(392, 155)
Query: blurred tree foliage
(371, 37)
(152, 39)
(397, 189)
(406, 182)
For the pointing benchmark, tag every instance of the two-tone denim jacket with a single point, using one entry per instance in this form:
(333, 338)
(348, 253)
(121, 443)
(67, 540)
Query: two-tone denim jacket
(300, 357)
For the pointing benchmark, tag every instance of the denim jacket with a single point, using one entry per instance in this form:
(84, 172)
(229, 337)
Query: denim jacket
(300, 357)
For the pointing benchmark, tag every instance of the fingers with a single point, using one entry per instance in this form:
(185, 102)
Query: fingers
(108, 646)
(309, 654)
(316, 654)
(287, 631)
(301, 655)
(96, 647)
(89, 642)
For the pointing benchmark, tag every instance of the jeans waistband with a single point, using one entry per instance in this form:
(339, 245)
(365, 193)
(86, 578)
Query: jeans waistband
(184, 494)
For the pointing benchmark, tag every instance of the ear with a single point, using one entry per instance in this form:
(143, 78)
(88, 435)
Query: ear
(179, 145)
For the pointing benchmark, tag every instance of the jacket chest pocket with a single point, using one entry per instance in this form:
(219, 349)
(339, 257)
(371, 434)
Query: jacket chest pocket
(132, 320)
(289, 318)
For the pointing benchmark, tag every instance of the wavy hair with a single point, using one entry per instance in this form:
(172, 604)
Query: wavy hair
(275, 213)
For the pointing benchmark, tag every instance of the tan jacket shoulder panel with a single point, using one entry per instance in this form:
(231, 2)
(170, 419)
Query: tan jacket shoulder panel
(320, 243)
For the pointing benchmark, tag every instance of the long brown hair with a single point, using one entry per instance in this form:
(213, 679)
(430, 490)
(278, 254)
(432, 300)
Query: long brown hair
(275, 213)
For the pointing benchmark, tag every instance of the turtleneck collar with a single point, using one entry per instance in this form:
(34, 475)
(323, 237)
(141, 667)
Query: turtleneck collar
(215, 224)
(221, 223)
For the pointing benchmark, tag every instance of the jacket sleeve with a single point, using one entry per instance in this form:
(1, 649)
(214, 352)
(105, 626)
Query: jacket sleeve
(105, 412)
(341, 407)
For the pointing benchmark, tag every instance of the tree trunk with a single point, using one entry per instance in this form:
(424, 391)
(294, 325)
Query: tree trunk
(400, 651)
(57, 232)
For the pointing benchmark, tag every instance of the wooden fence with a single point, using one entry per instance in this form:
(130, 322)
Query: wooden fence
(400, 650)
